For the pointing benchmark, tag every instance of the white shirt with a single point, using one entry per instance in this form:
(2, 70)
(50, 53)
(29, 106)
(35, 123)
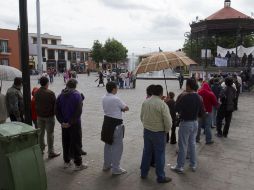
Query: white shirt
(112, 106)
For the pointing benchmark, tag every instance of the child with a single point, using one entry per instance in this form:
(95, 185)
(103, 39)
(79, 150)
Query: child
(171, 104)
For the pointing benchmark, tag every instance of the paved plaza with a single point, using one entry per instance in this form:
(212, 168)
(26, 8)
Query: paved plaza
(228, 164)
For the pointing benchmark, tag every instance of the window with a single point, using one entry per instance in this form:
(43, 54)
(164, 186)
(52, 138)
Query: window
(4, 46)
(4, 62)
(34, 40)
(53, 42)
(51, 54)
(61, 54)
(78, 54)
(43, 52)
(74, 56)
(82, 56)
(44, 41)
(86, 56)
(69, 55)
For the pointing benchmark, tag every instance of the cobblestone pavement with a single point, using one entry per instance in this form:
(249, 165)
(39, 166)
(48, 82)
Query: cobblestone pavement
(228, 164)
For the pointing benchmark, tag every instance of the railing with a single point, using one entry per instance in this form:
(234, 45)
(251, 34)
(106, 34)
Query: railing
(5, 50)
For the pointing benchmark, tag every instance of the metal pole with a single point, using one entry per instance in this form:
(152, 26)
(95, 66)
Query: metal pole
(165, 81)
(25, 60)
(39, 53)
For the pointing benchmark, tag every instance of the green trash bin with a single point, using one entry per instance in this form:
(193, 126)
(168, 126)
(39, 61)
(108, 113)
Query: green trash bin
(21, 162)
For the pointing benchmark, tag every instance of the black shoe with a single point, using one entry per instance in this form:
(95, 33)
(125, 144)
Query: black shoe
(143, 177)
(208, 143)
(54, 154)
(173, 142)
(218, 135)
(224, 135)
(165, 180)
(83, 153)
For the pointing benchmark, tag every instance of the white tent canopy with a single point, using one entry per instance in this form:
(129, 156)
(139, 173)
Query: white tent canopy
(240, 51)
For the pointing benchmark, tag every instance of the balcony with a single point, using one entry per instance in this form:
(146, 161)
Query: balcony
(5, 51)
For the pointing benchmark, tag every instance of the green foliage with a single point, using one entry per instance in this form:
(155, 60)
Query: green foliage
(114, 51)
(97, 52)
(193, 50)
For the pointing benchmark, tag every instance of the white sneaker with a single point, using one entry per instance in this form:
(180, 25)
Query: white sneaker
(177, 170)
(106, 169)
(81, 167)
(119, 172)
(67, 165)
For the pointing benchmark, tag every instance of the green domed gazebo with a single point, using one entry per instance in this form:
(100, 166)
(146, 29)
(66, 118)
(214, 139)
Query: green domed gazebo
(225, 22)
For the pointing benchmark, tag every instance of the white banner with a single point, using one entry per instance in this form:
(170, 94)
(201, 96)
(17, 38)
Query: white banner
(221, 62)
(240, 51)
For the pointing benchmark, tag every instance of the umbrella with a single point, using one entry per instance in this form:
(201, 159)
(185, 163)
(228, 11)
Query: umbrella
(163, 60)
(8, 73)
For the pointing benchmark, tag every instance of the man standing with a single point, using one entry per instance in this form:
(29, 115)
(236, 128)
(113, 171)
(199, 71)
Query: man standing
(113, 129)
(227, 99)
(189, 105)
(181, 79)
(68, 112)
(14, 101)
(156, 120)
(45, 101)
(205, 122)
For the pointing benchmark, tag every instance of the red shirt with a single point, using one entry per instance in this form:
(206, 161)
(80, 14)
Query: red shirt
(208, 96)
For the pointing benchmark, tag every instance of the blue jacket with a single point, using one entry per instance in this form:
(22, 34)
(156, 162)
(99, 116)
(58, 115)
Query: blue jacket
(69, 106)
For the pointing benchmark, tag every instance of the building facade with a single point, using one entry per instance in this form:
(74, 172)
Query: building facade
(9, 48)
(56, 55)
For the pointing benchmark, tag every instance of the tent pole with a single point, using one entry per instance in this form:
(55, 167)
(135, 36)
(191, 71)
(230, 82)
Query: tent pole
(165, 82)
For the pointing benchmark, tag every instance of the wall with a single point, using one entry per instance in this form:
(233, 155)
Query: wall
(13, 42)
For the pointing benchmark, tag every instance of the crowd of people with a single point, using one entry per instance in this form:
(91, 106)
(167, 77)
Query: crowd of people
(199, 106)
(124, 80)
(234, 60)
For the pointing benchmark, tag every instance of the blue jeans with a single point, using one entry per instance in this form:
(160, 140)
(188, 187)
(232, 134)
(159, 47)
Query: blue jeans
(186, 138)
(154, 143)
(205, 122)
(214, 116)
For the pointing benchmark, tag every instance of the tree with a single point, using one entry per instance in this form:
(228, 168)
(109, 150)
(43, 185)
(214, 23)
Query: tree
(114, 51)
(193, 50)
(97, 52)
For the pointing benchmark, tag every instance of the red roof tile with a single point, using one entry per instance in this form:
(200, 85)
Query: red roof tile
(227, 13)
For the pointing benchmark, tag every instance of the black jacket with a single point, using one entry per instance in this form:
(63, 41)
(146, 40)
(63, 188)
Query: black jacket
(108, 129)
(227, 98)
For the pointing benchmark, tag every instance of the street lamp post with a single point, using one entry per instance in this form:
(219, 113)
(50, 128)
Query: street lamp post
(39, 53)
(24, 51)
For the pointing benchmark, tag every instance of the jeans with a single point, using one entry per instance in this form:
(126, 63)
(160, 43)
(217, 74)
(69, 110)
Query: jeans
(154, 143)
(48, 124)
(205, 122)
(71, 138)
(113, 153)
(214, 113)
(186, 138)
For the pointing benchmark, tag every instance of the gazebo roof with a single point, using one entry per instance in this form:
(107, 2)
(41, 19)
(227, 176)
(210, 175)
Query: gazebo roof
(226, 20)
(227, 13)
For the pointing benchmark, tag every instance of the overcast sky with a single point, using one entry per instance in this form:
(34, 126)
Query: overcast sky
(141, 25)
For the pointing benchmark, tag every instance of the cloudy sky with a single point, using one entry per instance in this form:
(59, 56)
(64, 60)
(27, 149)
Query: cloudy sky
(141, 25)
